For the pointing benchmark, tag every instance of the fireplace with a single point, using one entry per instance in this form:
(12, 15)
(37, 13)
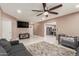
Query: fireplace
(24, 35)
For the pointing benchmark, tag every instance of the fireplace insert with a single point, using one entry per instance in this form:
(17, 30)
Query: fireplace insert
(24, 35)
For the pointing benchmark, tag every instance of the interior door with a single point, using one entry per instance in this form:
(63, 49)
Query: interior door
(7, 29)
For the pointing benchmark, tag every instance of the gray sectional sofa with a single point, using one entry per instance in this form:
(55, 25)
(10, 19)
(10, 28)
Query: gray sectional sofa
(6, 49)
(68, 41)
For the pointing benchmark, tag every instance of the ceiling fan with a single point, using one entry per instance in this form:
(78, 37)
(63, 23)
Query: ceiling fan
(45, 10)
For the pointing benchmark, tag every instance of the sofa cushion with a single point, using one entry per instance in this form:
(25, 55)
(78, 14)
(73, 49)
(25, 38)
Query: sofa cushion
(70, 39)
(5, 44)
(2, 51)
(68, 44)
(21, 53)
(19, 50)
(17, 47)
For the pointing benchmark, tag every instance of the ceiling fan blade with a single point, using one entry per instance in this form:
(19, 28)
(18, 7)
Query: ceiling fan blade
(37, 10)
(44, 5)
(55, 7)
(53, 12)
(39, 14)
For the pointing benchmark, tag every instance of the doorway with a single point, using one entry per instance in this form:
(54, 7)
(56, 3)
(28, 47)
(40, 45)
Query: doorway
(50, 29)
(50, 32)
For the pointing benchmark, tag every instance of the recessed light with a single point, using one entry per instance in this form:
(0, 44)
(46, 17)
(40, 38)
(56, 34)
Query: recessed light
(19, 11)
(77, 6)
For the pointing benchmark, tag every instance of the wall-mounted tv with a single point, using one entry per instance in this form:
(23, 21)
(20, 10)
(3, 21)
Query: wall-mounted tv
(22, 24)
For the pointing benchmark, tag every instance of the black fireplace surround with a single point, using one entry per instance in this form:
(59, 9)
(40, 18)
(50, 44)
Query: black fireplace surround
(24, 35)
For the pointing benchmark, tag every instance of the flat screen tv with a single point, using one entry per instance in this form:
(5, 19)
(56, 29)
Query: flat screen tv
(22, 24)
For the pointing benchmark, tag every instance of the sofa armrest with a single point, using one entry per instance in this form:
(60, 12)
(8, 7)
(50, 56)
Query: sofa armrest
(3, 52)
(14, 42)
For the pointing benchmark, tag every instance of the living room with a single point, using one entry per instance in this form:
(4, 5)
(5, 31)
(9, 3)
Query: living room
(52, 34)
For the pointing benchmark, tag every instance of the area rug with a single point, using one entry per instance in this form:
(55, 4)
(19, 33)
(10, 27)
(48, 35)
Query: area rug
(46, 49)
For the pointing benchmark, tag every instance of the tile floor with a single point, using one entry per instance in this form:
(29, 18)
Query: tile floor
(31, 40)
(36, 39)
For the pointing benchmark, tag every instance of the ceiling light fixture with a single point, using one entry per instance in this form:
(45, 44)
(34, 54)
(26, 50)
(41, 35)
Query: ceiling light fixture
(77, 6)
(46, 13)
(19, 11)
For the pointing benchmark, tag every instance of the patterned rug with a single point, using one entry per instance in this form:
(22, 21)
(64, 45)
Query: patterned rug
(46, 49)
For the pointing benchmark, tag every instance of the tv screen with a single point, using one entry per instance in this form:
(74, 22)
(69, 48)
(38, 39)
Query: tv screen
(22, 24)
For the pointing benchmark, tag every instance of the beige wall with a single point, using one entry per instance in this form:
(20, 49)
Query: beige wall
(68, 24)
(38, 29)
(14, 26)
(0, 25)
(15, 30)
(4, 16)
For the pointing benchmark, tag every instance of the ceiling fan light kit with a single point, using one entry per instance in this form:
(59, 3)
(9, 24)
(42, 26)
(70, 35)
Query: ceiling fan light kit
(19, 11)
(45, 13)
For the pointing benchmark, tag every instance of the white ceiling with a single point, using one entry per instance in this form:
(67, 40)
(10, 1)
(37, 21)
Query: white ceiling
(28, 15)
